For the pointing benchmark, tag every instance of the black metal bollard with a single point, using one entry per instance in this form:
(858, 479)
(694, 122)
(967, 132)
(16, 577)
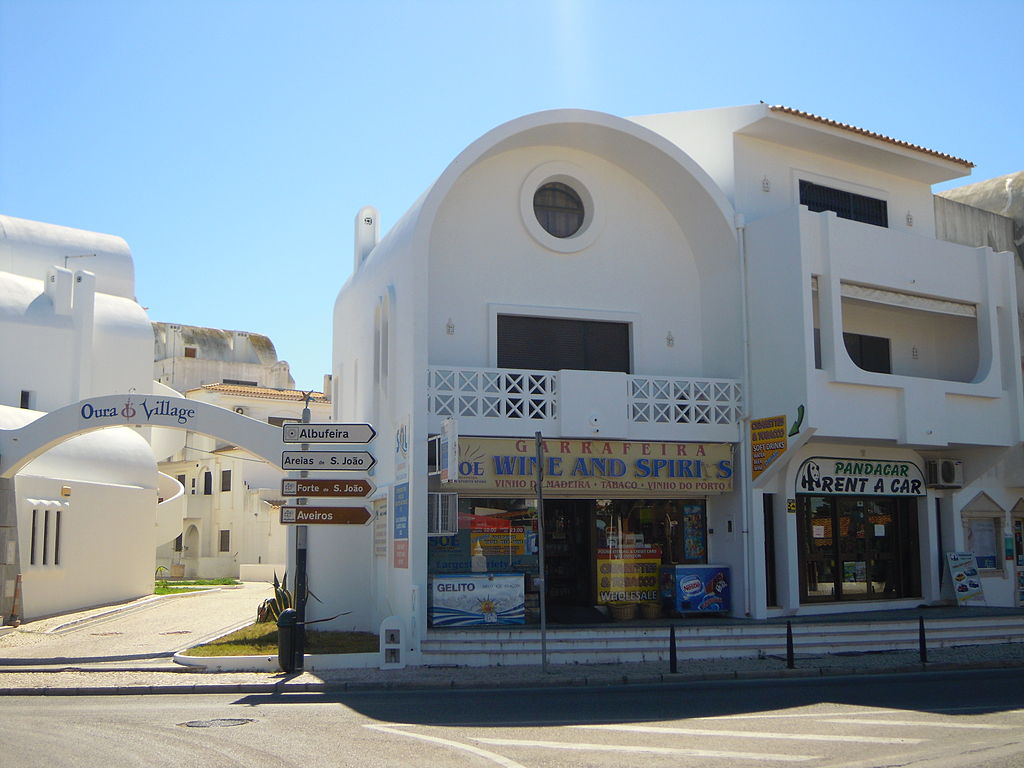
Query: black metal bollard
(287, 629)
(922, 645)
(673, 661)
(790, 664)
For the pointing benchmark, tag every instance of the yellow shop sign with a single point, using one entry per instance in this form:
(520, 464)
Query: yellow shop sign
(496, 466)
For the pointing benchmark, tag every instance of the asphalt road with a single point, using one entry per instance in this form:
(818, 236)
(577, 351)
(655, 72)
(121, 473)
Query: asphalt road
(145, 631)
(930, 720)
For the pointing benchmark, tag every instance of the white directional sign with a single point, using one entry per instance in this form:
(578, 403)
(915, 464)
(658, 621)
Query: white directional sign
(328, 460)
(327, 433)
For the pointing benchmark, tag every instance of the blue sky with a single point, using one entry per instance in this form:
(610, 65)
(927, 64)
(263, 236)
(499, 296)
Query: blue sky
(231, 143)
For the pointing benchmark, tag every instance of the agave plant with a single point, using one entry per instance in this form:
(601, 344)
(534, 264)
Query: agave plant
(270, 609)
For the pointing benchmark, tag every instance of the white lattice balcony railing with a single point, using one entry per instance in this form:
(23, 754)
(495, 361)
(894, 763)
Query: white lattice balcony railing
(497, 393)
(500, 393)
(670, 400)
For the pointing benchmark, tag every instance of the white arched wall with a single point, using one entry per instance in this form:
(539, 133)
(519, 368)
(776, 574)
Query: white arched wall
(18, 447)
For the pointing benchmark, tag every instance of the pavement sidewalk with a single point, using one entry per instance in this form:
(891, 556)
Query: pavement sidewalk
(128, 680)
(83, 654)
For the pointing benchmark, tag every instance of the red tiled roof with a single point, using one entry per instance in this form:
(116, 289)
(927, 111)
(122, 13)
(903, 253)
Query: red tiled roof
(266, 393)
(870, 134)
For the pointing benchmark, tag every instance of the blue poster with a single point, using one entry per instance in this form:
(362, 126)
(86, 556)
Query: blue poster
(401, 507)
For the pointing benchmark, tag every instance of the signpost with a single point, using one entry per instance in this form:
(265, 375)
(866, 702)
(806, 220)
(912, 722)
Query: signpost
(331, 461)
(327, 433)
(321, 488)
(299, 485)
(325, 515)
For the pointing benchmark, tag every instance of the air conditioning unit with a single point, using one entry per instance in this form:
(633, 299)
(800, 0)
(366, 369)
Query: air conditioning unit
(944, 473)
(442, 514)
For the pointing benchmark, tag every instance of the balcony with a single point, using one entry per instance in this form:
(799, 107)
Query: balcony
(506, 402)
(945, 313)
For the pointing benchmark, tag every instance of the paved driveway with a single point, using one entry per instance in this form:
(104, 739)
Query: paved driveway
(141, 633)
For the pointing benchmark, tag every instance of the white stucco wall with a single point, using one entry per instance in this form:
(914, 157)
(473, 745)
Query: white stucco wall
(640, 269)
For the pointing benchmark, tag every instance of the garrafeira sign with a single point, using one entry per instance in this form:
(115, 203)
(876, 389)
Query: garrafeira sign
(495, 466)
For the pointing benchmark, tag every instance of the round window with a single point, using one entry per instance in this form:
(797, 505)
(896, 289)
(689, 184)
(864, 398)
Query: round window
(558, 209)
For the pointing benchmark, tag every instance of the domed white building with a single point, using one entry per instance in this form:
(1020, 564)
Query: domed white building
(748, 354)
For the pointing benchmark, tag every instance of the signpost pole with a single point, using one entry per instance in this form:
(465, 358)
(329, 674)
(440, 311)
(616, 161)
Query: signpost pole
(300, 568)
(540, 556)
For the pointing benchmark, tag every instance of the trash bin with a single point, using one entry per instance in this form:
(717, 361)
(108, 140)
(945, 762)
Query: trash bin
(287, 629)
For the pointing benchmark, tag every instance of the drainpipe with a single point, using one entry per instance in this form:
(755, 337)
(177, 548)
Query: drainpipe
(746, 486)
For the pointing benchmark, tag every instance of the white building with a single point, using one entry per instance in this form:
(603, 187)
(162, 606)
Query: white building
(224, 520)
(76, 524)
(189, 356)
(637, 291)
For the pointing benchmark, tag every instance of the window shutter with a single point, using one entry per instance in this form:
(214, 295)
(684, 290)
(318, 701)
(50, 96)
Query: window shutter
(442, 514)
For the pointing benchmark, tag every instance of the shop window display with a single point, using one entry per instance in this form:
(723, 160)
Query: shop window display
(857, 548)
(598, 552)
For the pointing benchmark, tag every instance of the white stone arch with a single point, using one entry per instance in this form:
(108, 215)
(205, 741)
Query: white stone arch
(20, 446)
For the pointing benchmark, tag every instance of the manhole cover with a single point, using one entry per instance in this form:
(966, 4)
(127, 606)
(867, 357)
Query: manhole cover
(223, 722)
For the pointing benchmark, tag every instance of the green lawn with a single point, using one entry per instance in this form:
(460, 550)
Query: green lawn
(177, 586)
(261, 640)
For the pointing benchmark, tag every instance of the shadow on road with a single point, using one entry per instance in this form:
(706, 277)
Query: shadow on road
(952, 692)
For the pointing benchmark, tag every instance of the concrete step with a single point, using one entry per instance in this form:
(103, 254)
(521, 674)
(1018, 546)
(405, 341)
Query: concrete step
(511, 646)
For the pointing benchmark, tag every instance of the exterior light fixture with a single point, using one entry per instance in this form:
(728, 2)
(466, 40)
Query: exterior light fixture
(670, 340)
(910, 219)
(449, 327)
(766, 184)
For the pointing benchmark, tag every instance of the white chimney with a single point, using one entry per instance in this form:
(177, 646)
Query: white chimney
(367, 234)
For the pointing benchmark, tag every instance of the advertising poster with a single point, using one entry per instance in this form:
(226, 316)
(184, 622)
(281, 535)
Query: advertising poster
(695, 588)
(628, 574)
(768, 440)
(401, 526)
(963, 574)
(466, 600)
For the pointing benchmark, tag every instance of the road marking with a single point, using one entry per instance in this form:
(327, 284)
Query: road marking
(783, 717)
(649, 750)
(915, 723)
(934, 711)
(752, 734)
(492, 756)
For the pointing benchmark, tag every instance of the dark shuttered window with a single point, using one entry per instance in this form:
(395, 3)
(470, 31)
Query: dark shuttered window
(869, 352)
(554, 344)
(846, 205)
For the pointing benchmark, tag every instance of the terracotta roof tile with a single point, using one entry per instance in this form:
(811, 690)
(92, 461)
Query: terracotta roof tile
(870, 134)
(266, 393)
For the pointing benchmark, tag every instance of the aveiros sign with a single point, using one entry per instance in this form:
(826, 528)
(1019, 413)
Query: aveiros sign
(610, 468)
(147, 410)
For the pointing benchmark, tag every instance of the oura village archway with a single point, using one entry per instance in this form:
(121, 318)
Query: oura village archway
(18, 447)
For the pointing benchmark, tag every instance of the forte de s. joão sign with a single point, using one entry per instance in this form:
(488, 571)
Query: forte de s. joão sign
(497, 466)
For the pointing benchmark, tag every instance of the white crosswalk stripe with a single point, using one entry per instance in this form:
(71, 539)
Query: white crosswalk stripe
(922, 723)
(671, 730)
(676, 751)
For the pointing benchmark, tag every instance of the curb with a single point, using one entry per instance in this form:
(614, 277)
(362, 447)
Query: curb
(453, 684)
